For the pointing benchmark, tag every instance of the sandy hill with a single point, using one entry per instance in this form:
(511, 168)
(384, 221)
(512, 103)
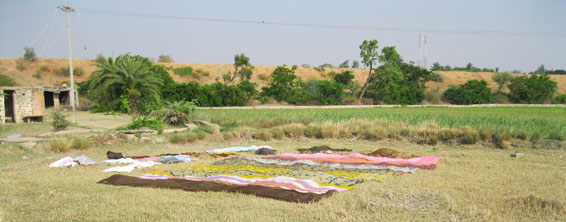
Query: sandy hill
(23, 73)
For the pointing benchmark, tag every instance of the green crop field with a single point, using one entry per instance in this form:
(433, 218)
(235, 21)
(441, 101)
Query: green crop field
(540, 120)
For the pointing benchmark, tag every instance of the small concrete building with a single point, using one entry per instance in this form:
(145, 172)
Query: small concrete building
(28, 103)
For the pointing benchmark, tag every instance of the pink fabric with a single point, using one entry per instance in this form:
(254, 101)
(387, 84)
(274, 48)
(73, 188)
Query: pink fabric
(151, 158)
(424, 161)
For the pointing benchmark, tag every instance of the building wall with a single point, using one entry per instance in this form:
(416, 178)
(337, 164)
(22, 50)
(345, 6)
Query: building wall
(22, 104)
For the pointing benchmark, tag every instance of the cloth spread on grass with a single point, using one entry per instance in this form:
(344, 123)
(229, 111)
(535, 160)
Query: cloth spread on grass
(391, 153)
(265, 151)
(73, 162)
(113, 155)
(215, 155)
(313, 166)
(176, 159)
(120, 161)
(131, 167)
(288, 183)
(322, 149)
(424, 162)
(319, 177)
(191, 185)
(237, 149)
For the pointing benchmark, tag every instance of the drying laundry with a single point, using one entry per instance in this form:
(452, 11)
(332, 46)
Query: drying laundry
(237, 149)
(176, 159)
(296, 165)
(265, 151)
(322, 149)
(73, 162)
(120, 161)
(190, 185)
(424, 162)
(288, 183)
(131, 167)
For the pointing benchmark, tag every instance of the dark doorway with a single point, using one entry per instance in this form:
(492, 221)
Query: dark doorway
(48, 97)
(64, 98)
(9, 105)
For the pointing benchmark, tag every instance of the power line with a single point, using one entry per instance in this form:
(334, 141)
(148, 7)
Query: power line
(305, 25)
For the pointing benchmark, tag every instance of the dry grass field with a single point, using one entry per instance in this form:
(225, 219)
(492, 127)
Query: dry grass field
(261, 73)
(471, 183)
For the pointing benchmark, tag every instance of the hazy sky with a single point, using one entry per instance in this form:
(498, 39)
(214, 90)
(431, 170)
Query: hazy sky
(39, 24)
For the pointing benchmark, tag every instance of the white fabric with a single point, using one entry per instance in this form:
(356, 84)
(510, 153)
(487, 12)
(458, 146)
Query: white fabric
(64, 162)
(84, 160)
(131, 167)
(120, 161)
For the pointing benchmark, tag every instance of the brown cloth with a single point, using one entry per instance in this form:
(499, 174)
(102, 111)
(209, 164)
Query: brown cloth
(189, 185)
(322, 149)
(112, 155)
(391, 153)
(265, 151)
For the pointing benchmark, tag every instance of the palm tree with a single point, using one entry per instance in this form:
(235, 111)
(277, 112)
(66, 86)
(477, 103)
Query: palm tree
(126, 83)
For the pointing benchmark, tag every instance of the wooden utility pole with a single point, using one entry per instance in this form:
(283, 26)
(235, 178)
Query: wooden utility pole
(68, 9)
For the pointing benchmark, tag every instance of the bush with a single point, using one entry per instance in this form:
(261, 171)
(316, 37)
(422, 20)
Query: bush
(165, 58)
(29, 54)
(64, 71)
(36, 75)
(43, 69)
(535, 89)
(81, 143)
(435, 77)
(471, 92)
(59, 121)
(559, 99)
(183, 71)
(177, 113)
(502, 78)
(144, 121)
(7, 81)
(60, 145)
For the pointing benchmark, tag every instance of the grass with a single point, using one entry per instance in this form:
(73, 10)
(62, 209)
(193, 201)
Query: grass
(470, 185)
(546, 121)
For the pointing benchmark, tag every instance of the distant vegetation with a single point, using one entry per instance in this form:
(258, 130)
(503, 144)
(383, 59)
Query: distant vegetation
(165, 58)
(7, 81)
(29, 54)
(468, 68)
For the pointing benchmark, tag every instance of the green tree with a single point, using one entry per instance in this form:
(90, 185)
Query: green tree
(369, 54)
(535, 89)
(469, 66)
(502, 78)
(165, 58)
(344, 64)
(283, 81)
(345, 77)
(126, 84)
(471, 92)
(355, 64)
(242, 67)
(29, 54)
(540, 70)
(436, 67)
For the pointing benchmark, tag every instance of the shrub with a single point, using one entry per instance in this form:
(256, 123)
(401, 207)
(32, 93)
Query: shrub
(535, 89)
(320, 69)
(277, 133)
(144, 121)
(470, 136)
(99, 58)
(59, 121)
(314, 132)
(81, 143)
(263, 77)
(435, 77)
(43, 69)
(21, 65)
(165, 58)
(486, 134)
(305, 66)
(294, 130)
(471, 92)
(36, 75)
(7, 81)
(345, 77)
(206, 73)
(177, 113)
(559, 99)
(261, 135)
(29, 54)
(64, 71)
(183, 71)
(502, 138)
(205, 129)
(502, 78)
(60, 145)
